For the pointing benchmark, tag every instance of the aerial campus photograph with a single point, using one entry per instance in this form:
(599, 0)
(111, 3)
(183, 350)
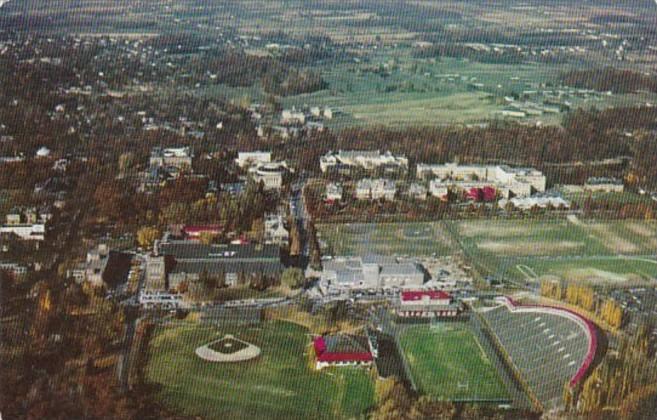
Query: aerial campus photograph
(335, 209)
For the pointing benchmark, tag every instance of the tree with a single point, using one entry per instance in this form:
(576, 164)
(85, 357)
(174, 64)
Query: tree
(146, 236)
(293, 278)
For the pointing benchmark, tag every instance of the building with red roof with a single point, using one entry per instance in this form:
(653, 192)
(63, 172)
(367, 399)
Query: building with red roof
(343, 350)
(421, 303)
(195, 232)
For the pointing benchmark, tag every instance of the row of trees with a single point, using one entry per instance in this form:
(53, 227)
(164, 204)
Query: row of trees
(395, 402)
(610, 79)
(586, 298)
(626, 380)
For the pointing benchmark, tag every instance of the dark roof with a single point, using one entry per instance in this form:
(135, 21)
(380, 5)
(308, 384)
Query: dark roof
(194, 257)
(188, 250)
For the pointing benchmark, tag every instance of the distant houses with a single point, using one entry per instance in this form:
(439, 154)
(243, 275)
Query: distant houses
(27, 224)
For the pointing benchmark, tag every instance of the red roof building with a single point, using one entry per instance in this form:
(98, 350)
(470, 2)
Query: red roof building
(427, 304)
(342, 350)
(195, 232)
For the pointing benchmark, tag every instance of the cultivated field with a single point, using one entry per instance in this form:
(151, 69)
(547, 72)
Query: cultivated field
(449, 363)
(278, 384)
(414, 239)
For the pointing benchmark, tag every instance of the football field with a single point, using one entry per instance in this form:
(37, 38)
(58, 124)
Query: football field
(448, 363)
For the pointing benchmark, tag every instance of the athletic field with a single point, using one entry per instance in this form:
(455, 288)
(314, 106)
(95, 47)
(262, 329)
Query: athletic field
(599, 252)
(413, 239)
(449, 363)
(278, 384)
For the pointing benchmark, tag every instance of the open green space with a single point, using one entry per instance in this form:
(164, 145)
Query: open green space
(449, 363)
(578, 250)
(414, 239)
(278, 384)
(603, 270)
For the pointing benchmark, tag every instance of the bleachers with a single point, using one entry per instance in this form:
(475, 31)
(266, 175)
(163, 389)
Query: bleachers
(548, 349)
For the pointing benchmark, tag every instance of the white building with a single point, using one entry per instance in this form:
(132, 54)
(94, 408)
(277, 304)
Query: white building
(603, 184)
(439, 189)
(292, 116)
(93, 269)
(334, 192)
(527, 203)
(366, 159)
(275, 231)
(519, 182)
(417, 191)
(375, 189)
(26, 232)
(177, 157)
(247, 159)
(344, 274)
(270, 174)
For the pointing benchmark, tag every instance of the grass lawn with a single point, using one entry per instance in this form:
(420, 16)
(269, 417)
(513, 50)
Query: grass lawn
(418, 239)
(279, 384)
(450, 364)
(595, 270)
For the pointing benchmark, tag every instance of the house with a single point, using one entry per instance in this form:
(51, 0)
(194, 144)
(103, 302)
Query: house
(604, 184)
(420, 303)
(176, 157)
(248, 159)
(375, 189)
(368, 160)
(275, 231)
(175, 261)
(417, 191)
(343, 350)
(346, 274)
(439, 189)
(334, 192)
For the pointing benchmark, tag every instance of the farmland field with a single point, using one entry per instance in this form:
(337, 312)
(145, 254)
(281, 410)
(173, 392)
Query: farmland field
(415, 239)
(450, 364)
(278, 384)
